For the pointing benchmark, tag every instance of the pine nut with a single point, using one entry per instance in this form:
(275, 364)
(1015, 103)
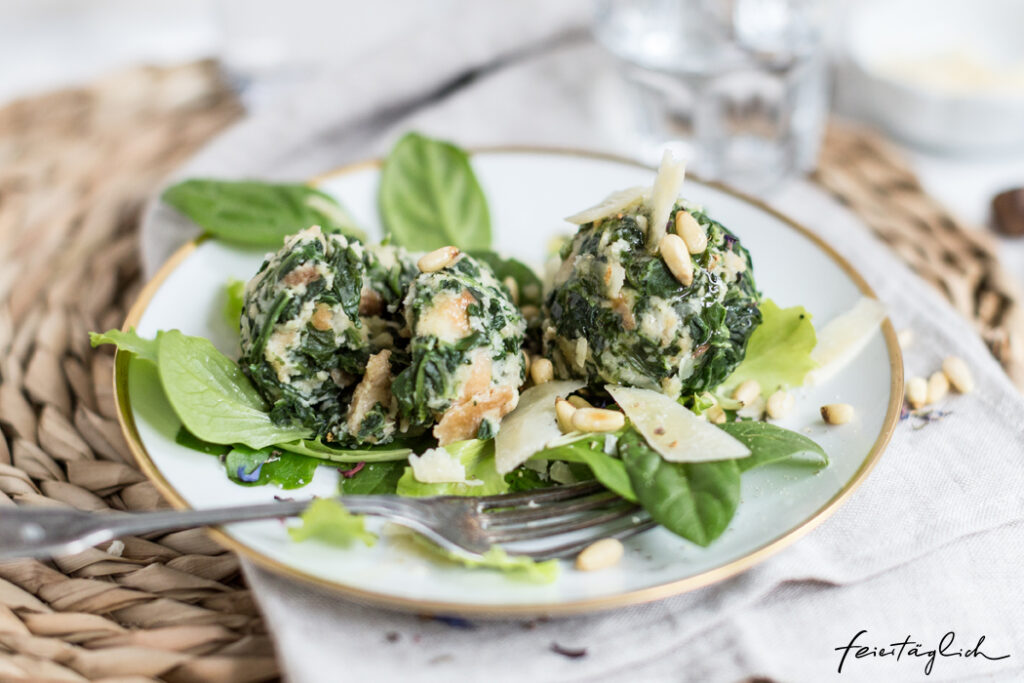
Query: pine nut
(959, 374)
(600, 555)
(917, 392)
(530, 312)
(563, 413)
(837, 413)
(579, 402)
(716, 414)
(527, 360)
(905, 337)
(677, 258)
(513, 288)
(322, 316)
(691, 231)
(938, 387)
(780, 404)
(541, 370)
(747, 391)
(437, 259)
(597, 420)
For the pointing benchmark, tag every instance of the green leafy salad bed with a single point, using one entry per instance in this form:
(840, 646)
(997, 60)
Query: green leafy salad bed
(464, 373)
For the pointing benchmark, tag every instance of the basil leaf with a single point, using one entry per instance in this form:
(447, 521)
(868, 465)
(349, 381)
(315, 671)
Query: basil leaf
(374, 478)
(258, 214)
(211, 396)
(429, 197)
(770, 444)
(608, 470)
(694, 500)
(530, 286)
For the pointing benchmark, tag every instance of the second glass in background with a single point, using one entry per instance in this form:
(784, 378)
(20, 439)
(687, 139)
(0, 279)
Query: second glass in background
(741, 83)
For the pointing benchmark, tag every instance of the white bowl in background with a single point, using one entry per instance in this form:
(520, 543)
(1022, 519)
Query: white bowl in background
(945, 75)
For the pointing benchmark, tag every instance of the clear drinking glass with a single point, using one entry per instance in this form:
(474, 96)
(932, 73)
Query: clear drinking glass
(742, 84)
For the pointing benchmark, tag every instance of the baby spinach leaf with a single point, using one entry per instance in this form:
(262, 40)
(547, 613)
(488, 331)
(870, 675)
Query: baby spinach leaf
(234, 293)
(327, 520)
(588, 451)
(188, 440)
(211, 396)
(374, 478)
(779, 351)
(477, 457)
(317, 449)
(527, 281)
(770, 444)
(255, 213)
(127, 341)
(429, 197)
(523, 478)
(694, 500)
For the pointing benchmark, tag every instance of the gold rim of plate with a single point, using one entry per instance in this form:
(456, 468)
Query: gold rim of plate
(634, 597)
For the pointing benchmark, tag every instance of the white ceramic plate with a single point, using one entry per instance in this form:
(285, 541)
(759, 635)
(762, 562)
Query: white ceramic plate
(529, 191)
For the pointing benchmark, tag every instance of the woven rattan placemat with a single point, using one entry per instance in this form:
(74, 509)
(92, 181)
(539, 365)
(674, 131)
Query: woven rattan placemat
(75, 167)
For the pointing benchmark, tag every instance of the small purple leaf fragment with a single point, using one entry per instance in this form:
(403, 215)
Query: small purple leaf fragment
(570, 652)
(251, 476)
(349, 473)
(455, 622)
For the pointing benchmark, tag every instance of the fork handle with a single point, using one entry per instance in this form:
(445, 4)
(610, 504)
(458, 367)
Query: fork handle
(42, 532)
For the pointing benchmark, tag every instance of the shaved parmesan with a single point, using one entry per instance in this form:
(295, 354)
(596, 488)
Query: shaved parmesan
(614, 203)
(663, 196)
(843, 338)
(530, 427)
(438, 466)
(672, 430)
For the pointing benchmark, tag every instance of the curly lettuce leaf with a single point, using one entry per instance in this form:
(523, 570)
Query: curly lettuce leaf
(328, 521)
(234, 300)
(779, 351)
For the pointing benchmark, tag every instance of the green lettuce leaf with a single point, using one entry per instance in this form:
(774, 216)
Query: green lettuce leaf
(477, 457)
(234, 293)
(517, 567)
(128, 341)
(212, 397)
(209, 393)
(779, 351)
(328, 521)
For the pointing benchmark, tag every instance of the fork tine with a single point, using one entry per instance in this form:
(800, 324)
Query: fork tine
(562, 524)
(540, 497)
(557, 509)
(573, 548)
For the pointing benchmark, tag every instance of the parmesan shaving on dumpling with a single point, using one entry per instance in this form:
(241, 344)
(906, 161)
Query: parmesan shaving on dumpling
(614, 203)
(531, 426)
(663, 196)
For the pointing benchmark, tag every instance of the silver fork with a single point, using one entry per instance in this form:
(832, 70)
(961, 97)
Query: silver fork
(552, 523)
